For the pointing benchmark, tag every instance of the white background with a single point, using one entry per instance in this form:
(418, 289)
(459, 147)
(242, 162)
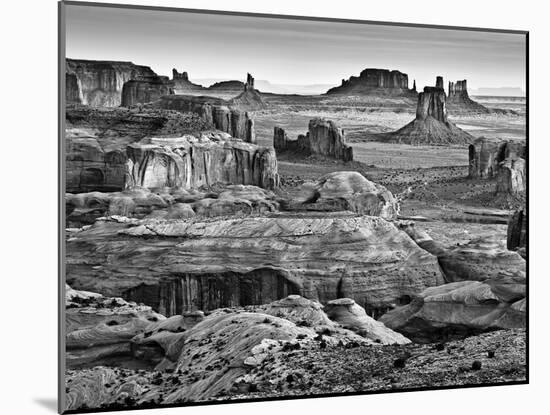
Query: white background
(28, 221)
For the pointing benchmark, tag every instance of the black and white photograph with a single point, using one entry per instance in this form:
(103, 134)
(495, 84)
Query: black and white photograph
(261, 207)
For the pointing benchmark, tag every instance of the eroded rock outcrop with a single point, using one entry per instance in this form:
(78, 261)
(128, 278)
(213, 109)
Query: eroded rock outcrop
(462, 308)
(324, 138)
(100, 83)
(190, 162)
(215, 112)
(346, 191)
(516, 238)
(487, 153)
(460, 103)
(250, 99)
(182, 84)
(374, 81)
(431, 125)
(251, 260)
(512, 177)
(145, 89)
(478, 260)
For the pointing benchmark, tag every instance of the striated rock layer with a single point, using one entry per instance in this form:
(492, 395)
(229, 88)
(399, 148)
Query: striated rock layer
(346, 190)
(486, 154)
(100, 83)
(324, 138)
(145, 89)
(190, 162)
(460, 308)
(215, 112)
(188, 265)
(431, 125)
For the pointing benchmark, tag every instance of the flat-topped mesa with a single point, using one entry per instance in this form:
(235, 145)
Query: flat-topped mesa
(100, 83)
(215, 112)
(189, 162)
(458, 88)
(146, 89)
(375, 81)
(324, 137)
(431, 125)
(486, 154)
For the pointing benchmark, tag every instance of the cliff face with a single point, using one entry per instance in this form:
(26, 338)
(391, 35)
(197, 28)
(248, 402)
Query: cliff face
(486, 154)
(324, 137)
(431, 125)
(251, 260)
(146, 89)
(374, 80)
(516, 239)
(100, 83)
(189, 162)
(214, 111)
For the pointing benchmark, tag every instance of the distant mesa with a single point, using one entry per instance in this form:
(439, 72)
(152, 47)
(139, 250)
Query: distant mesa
(431, 125)
(100, 83)
(375, 81)
(458, 101)
(182, 84)
(324, 137)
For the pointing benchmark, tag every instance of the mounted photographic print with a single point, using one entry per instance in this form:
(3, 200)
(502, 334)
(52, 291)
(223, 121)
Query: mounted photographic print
(258, 207)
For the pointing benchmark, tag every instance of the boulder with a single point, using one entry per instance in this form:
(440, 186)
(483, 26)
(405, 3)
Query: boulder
(100, 83)
(352, 316)
(250, 260)
(346, 190)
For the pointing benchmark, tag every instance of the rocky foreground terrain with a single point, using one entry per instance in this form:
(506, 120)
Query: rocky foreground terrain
(210, 256)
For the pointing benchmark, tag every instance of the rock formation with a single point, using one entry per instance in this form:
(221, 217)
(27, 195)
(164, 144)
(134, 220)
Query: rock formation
(431, 125)
(460, 103)
(486, 155)
(462, 308)
(375, 81)
(190, 162)
(250, 99)
(517, 233)
(182, 84)
(346, 191)
(512, 177)
(99, 83)
(250, 260)
(324, 138)
(215, 112)
(145, 89)
(352, 316)
(478, 260)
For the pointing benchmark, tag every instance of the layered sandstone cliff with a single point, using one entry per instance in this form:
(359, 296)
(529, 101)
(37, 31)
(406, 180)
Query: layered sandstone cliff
(324, 137)
(251, 260)
(100, 83)
(214, 111)
(431, 125)
(145, 89)
(374, 81)
(190, 162)
(182, 84)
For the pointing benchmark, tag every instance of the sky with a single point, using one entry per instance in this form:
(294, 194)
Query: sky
(284, 51)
